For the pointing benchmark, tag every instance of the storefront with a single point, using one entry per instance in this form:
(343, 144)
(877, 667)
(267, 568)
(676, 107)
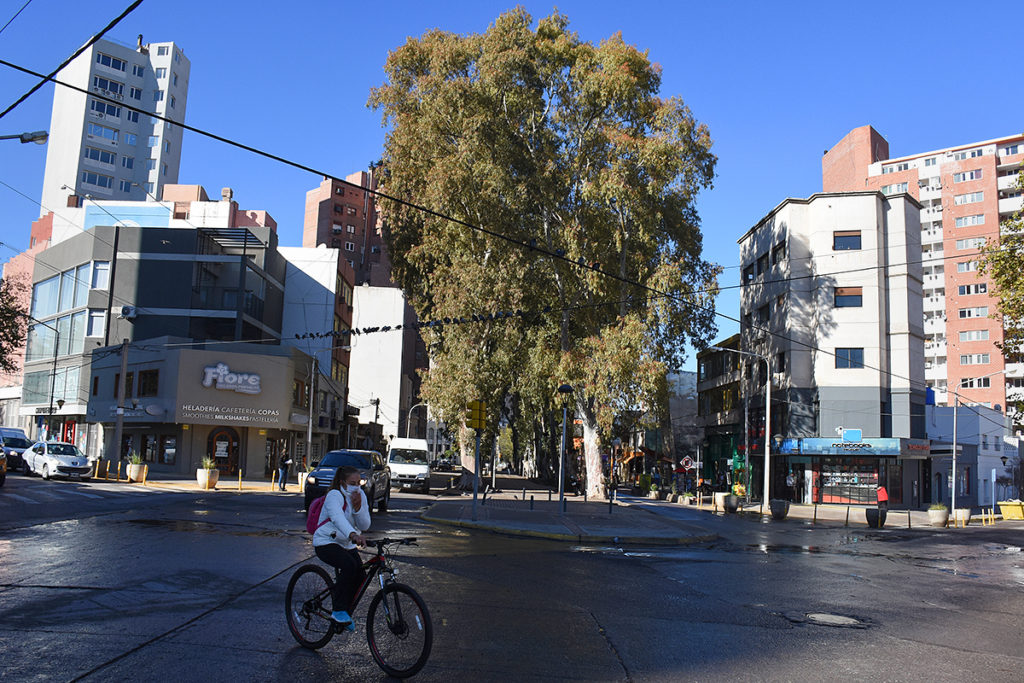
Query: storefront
(850, 470)
(240, 409)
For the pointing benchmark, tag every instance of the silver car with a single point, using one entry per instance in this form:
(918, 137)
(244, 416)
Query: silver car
(55, 459)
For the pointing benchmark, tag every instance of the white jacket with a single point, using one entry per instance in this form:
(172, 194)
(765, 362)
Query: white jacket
(341, 520)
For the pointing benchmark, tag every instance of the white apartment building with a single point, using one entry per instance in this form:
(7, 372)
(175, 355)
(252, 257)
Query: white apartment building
(101, 148)
(832, 297)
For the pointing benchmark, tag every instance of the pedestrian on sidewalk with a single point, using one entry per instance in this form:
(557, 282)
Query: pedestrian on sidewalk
(283, 461)
(883, 498)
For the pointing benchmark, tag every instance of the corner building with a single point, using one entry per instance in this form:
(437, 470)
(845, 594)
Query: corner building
(965, 191)
(831, 295)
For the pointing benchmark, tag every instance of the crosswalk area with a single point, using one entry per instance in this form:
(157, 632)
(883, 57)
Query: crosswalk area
(21, 491)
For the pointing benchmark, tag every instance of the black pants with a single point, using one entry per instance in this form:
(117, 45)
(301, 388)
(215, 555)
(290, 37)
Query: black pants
(350, 573)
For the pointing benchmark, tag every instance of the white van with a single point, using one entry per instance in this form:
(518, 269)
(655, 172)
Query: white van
(410, 469)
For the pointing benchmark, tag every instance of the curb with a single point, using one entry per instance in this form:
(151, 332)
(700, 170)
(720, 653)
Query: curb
(573, 538)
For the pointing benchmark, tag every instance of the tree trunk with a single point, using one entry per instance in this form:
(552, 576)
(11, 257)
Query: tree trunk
(467, 455)
(591, 450)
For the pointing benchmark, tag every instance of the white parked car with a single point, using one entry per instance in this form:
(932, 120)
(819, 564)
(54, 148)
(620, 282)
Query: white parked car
(54, 459)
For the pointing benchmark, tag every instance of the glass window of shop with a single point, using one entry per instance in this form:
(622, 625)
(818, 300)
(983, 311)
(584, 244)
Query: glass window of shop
(847, 480)
(168, 450)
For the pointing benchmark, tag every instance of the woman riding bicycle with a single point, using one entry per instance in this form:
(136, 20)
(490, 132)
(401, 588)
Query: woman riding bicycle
(345, 516)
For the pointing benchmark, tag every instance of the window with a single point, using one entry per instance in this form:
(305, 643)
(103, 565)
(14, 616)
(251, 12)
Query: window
(349, 246)
(849, 358)
(778, 253)
(161, 50)
(338, 208)
(846, 240)
(97, 179)
(177, 56)
(984, 442)
(149, 188)
(780, 362)
(351, 229)
(762, 264)
(748, 274)
(168, 449)
(967, 175)
(351, 211)
(138, 70)
(971, 243)
(153, 141)
(167, 146)
(175, 79)
(894, 189)
(150, 164)
(299, 395)
(976, 382)
(969, 198)
(128, 162)
(1011, 149)
(148, 382)
(100, 155)
(161, 72)
(158, 95)
(763, 314)
(893, 168)
(975, 312)
(977, 288)
(125, 185)
(98, 131)
(104, 108)
(967, 266)
(930, 161)
(131, 139)
(849, 297)
(172, 101)
(967, 221)
(107, 85)
(100, 274)
(966, 154)
(973, 335)
(111, 62)
(165, 169)
(974, 359)
(128, 384)
(97, 323)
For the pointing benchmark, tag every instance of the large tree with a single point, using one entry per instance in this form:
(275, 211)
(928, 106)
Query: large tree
(540, 137)
(13, 319)
(1001, 260)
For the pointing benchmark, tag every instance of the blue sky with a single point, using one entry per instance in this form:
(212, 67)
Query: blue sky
(776, 83)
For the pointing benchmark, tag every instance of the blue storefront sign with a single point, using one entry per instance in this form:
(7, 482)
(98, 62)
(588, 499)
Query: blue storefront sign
(867, 447)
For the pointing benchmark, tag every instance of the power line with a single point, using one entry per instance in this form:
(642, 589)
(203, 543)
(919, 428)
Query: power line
(27, 3)
(75, 54)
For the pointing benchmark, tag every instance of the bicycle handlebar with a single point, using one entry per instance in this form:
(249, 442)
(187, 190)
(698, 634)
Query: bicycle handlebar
(381, 542)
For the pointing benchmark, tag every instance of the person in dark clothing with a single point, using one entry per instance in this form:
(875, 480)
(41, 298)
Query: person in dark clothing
(283, 461)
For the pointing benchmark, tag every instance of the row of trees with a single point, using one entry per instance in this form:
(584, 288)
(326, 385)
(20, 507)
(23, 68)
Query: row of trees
(550, 141)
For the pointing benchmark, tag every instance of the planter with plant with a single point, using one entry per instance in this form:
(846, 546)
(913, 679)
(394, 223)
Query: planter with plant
(135, 467)
(687, 498)
(208, 474)
(938, 515)
(673, 495)
(654, 494)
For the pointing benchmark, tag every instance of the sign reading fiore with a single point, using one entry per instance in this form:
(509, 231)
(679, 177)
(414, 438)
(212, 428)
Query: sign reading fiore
(220, 376)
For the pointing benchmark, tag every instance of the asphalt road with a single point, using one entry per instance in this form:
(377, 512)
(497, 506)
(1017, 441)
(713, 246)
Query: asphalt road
(189, 587)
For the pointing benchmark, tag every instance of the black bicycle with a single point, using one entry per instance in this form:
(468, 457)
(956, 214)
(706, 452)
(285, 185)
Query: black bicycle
(398, 626)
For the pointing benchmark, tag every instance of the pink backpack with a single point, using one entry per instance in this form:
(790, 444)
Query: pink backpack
(313, 517)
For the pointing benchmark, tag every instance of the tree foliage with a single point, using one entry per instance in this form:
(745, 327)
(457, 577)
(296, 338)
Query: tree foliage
(539, 136)
(1001, 260)
(13, 323)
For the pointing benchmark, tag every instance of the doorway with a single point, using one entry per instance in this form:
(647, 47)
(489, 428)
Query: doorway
(222, 446)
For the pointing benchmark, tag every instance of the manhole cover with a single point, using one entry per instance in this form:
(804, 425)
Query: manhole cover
(831, 619)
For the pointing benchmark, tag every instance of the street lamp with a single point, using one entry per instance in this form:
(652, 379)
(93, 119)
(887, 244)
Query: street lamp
(956, 403)
(565, 390)
(767, 418)
(39, 137)
(408, 418)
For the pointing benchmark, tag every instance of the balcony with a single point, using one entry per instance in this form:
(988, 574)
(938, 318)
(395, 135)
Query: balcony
(932, 254)
(1010, 205)
(936, 372)
(935, 304)
(934, 325)
(931, 236)
(1006, 182)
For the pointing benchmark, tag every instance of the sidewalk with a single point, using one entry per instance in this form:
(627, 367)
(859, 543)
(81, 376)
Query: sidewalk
(582, 522)
(186, 483)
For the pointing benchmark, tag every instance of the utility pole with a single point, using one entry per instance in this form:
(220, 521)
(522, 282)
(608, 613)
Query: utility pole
(119, 428)
(746, 424)
(111, 274)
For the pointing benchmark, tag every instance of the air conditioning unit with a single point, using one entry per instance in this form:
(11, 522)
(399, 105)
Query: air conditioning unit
(128, 312)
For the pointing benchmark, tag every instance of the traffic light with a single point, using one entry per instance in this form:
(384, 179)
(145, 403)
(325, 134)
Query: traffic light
(476, 414)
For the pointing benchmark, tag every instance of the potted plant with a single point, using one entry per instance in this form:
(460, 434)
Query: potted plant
(687, 498)
(208, 475)
(779, 508)
(135, 466)
(962, 515)
(653, 494)
(938, 515)
(673, 495)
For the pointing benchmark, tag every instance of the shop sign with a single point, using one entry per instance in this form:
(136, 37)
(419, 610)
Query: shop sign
(220, 377)
(224, 414)
(871, 447)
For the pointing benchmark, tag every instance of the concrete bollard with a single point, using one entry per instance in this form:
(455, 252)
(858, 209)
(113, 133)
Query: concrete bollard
(524, 493)
(145, 474)
(908, 518)
(119, 470)
(549, 495)
(239, 479)
(847, 516)
(273, 478)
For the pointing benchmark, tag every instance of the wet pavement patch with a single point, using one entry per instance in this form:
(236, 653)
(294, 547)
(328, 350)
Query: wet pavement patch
(827, 619)
(206, 527)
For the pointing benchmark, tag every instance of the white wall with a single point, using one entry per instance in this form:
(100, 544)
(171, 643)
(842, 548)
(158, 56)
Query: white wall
(376, 362)
(309, 297)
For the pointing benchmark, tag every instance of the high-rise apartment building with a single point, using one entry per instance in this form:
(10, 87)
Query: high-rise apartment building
(966, 191)
(100, 148)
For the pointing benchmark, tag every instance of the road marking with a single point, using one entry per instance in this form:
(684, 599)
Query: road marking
(83, 494)
(15, 496)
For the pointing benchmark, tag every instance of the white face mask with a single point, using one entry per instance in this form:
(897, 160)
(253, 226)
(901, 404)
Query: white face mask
(352, 488)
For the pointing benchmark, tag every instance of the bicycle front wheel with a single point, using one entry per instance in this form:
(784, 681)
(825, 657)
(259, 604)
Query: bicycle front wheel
(399, 631)
(305, 605)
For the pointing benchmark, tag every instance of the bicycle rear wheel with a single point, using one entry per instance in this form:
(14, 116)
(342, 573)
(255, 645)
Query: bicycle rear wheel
(399, 631)
(305, 606)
